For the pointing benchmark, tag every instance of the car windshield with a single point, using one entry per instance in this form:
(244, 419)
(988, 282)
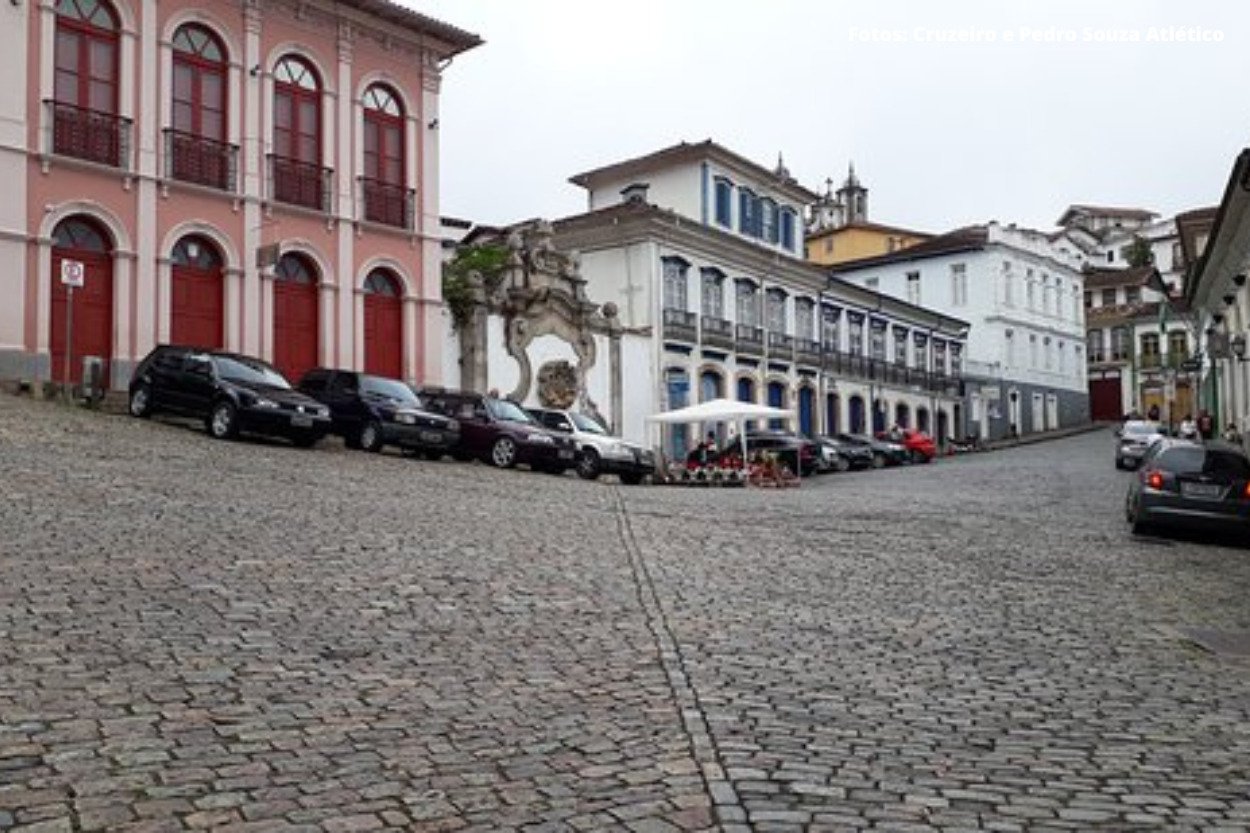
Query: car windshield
(507, 411)
(1198, 460)
(585, 423)
(1140, 429)
(251, 371)
(390, 388)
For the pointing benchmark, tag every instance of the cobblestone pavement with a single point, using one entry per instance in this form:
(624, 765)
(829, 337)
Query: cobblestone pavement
(249, 637)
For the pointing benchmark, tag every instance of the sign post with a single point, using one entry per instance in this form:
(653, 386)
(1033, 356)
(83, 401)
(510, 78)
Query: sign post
(72, 272)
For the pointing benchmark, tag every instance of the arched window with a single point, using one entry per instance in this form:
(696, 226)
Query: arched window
(382, 282)
(295, 268)
(195, 252)
(387, 200)
(85, 122)
(81, 235)
(297, 175)
(196, 141)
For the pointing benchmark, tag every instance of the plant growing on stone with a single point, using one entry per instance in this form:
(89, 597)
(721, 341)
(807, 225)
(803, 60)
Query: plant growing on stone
(489, 261)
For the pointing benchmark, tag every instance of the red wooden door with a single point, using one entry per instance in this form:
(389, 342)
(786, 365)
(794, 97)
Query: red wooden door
(198, 307)
(384, 326)
(1104, 399)
(93, 308)
(295, 339)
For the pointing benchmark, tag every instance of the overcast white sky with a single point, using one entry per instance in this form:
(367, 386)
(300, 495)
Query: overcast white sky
(942, 133)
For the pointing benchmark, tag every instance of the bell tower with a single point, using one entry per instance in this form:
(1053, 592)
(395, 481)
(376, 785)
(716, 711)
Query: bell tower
(854, 198)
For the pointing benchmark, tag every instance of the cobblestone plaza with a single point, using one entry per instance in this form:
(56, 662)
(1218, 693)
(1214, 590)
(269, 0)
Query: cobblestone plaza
(249, 637)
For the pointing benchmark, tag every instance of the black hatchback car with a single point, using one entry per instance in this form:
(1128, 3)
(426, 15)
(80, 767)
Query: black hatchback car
(370, 412)
(501, 432)
(230, 392)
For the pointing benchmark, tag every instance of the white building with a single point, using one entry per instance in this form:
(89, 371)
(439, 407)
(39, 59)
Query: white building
(1024, 297)
(700, 251)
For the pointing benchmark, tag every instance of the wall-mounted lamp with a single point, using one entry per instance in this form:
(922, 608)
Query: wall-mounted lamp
(433, 125)
(1218, 318)
(254, 71)
(1228, 300)
(1239, 280)
(1238, 346)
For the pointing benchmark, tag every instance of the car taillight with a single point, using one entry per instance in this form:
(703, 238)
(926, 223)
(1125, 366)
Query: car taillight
(1154, 479)
(1245, 493)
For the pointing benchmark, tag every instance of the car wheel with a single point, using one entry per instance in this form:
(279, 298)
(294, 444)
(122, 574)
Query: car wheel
(1119, 464)
(631, 478)
(842, 464)
(223, 421)
(878, 460)
(305, 440)
(1136, 523)
(588, 466)
(141, 402)
(371, 436)
(503, 453)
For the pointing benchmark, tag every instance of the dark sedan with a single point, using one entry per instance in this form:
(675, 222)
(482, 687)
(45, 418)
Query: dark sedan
(884, 453)
(233, 394)
(501, 433)
(1187, 484)
(787, 446)
(846, 455)
(370, 412)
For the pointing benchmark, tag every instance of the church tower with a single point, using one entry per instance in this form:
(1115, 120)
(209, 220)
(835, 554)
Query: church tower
(854, 198)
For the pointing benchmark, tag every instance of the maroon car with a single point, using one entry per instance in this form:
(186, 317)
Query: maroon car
(500, 432)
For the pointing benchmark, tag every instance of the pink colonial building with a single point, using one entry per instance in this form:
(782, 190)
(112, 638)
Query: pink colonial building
(255, 175)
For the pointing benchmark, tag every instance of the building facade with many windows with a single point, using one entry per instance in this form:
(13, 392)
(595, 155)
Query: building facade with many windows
(1024, 299)
(700, 250)
(258, 176)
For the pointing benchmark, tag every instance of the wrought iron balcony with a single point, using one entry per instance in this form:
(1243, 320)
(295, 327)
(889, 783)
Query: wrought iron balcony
(717, 332)
(98, 137)
(749, 340)
(300, 183)
(807, 351)
(780, 347)
(681, 325)
(191, 158)
(391, 205)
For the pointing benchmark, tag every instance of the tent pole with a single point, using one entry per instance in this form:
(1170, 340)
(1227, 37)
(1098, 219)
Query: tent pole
(742, 435)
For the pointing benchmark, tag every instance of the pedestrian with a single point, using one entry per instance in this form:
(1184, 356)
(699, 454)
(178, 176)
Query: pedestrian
(1189, 429)
(1153, 413)
(1206, 425)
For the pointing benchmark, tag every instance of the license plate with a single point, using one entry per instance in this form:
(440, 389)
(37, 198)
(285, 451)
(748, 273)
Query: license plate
(431, 437)
(301, 421)
(565, 454)
(1204, 490)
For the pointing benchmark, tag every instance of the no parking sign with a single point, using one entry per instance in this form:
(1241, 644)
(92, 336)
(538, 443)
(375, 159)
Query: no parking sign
(72, 272)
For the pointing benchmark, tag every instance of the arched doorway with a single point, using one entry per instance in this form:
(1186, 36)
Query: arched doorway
(957, 421)
(777, 399)
(856, 416)
(832, 425)
(807, 408)
(878, 416)
(295, 320)
(922, 419)
(677, 382)
(78, 240)
(197, 300)
(384, 324)
(746, 393)
(902, 415)
(943, 428)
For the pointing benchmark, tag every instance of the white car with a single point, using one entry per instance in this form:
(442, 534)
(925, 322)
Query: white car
(1134, 440)
(598, 452)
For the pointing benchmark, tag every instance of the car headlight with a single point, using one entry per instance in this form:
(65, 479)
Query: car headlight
(541, 439)
(262, 402)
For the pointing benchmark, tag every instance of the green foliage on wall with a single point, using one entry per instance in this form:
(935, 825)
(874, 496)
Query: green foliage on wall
(488, 261)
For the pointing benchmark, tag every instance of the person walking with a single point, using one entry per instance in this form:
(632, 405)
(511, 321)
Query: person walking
(1188, 429)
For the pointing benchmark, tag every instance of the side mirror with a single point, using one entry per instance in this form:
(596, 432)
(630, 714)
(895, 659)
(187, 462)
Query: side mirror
(1119, 432)
(564, 426)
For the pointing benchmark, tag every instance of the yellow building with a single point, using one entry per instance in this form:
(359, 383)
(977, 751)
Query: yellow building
(839, 230)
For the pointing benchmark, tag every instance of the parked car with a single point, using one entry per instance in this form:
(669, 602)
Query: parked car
(919, 445)
(232, 393)
(1134, 440)
(884, 453)
(370, 412)
(598, 451)
(501, 433)
(1184, 483)
(851, 456)
(786, 445)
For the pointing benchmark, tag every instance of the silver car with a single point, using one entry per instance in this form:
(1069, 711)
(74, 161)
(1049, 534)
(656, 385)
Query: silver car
(1133, 441)
(1183, 483)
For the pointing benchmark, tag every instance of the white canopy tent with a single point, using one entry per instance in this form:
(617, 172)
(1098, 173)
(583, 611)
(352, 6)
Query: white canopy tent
(723, 410)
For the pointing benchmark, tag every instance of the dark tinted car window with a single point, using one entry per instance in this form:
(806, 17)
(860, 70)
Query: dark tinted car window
(343, 383)
(389, 388)
(170, 359)
(254, 371)
(1198, 460)
(314, 381)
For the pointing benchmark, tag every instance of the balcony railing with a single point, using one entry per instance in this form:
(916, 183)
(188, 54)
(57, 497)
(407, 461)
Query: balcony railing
(89, 134)
(807, 351)
(300, 183)
(681, 325)
(717, 332)
(749, 340)
(191, 158)
(780, 347)
(388, 204)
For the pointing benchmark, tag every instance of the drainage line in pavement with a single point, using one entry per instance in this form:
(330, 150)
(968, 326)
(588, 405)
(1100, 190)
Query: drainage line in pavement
(725, 802)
